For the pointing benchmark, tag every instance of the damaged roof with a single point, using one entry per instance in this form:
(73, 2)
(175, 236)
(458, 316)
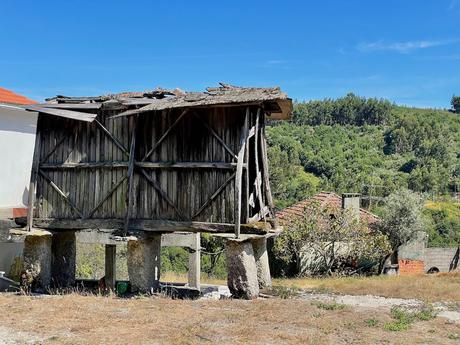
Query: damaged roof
(323, 200)
(275, 102)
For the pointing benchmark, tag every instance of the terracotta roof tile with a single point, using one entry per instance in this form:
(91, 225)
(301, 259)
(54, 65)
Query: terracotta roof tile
(323, 199)
(9, 97)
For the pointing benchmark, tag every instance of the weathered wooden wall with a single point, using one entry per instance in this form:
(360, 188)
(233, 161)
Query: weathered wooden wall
(84, 163)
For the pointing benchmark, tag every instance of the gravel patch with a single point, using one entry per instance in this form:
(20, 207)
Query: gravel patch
(370, 301)
(12, 337)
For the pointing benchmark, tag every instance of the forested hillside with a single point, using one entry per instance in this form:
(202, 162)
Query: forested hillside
(371, 146)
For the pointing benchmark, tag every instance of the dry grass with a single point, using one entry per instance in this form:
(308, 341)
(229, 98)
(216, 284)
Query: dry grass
(441, 287)
(428, 288)
(76, 319)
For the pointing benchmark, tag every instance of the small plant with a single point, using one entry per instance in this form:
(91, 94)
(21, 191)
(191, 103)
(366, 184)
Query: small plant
(371, 322)
(405, 318)
(426, 314)
(317, 315)
(330, 306)
(285, 292)
(454, 336)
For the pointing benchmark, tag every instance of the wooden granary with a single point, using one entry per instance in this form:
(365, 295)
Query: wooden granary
(157, 162)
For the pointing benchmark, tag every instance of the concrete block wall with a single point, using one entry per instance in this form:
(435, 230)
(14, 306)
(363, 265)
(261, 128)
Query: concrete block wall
(440, 258)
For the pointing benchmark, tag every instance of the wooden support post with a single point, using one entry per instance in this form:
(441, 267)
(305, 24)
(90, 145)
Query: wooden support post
(239, 174)
(129, 195)
(258, 181)
(194, 264)
(110, 266)
(265, 172)
(33, 180)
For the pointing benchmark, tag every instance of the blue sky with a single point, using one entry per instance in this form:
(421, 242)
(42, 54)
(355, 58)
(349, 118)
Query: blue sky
(405, 50)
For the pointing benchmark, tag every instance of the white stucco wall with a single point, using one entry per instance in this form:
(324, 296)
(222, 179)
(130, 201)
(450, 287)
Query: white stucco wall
(17, 140)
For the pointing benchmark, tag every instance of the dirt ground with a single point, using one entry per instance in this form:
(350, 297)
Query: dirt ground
(78, 319)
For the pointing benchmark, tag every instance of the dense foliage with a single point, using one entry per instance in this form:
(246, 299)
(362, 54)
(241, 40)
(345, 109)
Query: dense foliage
(369, 146)
(443, 223)
(455, 102)
(402, 217)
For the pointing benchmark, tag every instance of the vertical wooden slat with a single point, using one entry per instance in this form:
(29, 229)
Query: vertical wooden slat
(265, 169)
(256, 158)
(239, 174)
(130, 196)
(33, 178)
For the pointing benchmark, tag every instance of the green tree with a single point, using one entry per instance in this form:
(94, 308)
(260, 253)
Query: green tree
(402, 218)
(455, 102)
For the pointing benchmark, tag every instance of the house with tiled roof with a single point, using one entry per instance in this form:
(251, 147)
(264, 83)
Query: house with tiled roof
(331, 200)
(309, 261)
(17, 139)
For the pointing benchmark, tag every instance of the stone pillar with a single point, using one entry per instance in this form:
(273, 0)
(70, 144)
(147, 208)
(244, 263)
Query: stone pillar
(259, 246)
(194, 263)
(144, 263)
(110, 266)
(37, 261)
(242, 270)
(63, 260)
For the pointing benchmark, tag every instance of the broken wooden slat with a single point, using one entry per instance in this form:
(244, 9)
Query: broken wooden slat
(265, 171)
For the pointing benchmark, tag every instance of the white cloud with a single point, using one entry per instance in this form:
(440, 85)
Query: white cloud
(402, 47)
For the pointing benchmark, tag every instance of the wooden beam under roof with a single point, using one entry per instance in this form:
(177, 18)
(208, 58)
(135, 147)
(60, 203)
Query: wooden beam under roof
(69, 114)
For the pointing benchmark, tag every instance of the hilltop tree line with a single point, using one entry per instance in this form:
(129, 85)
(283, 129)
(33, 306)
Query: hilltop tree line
(371, 146)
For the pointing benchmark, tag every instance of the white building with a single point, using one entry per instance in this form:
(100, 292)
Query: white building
(17, 140)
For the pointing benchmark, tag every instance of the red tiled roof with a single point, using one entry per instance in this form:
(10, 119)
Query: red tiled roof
(323, 199)
(9, 97)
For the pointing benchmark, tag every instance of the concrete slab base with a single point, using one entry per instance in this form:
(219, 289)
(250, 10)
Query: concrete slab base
(144, 263)
(242, 270)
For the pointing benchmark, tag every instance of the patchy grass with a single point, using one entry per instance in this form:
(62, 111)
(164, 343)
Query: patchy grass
(404, 318)
(77, 319)
(284, 292)
(329, 306)
(371, 322)
(428, 288)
